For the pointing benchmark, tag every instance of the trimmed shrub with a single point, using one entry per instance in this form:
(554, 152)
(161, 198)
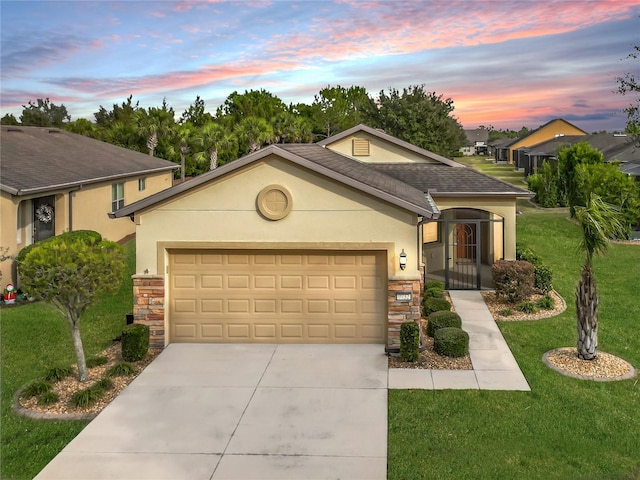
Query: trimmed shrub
(442, 319)
(120, 369)
(431, 305)
(527, 307)
(48, 398)
(56, 374)
(542, 278)
(85, 235)
(96, 361)
(135, 342)
(409, 341)
(513, 279)
(37, 387)
(451, 342)
(433, 289)
(541, 273)
(546, 303)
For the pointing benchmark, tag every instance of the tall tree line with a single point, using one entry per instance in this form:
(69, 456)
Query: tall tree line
(201, 140)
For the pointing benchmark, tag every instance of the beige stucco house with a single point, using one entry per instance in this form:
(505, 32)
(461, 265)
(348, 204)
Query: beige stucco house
(317, 243)
(53, 181)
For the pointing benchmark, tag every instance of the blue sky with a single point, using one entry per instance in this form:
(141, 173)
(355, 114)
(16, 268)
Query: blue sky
(504, 63)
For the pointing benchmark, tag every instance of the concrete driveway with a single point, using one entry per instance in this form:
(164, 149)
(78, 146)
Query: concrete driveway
(241, 412)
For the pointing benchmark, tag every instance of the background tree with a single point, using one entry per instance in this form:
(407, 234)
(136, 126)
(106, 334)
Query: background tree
(9, 119)
(419, 117)
(335, 109)
(155, 125)
(195, 114)
(569, 157)
(84, 127)
(185, 137)
(629, 84)
(598, 222)
(252, 103)
(213, 141)
(43, 113)
(254, 133)
(71, 272)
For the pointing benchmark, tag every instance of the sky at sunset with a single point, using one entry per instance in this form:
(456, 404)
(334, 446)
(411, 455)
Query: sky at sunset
(504, 63)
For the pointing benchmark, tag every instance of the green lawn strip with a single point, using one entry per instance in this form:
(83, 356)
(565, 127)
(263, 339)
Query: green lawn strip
(36, 337)
(564, 428)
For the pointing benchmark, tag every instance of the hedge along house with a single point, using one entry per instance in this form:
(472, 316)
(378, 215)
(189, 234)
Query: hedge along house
(295, 243)
(53, 181)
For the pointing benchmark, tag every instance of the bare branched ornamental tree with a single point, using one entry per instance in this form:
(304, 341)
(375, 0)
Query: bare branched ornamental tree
(71, 273)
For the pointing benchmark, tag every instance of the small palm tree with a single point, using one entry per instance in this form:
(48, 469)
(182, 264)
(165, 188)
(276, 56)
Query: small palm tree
(599, 221)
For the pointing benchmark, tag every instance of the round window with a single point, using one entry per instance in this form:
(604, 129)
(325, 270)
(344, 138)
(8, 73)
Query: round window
(274, 202)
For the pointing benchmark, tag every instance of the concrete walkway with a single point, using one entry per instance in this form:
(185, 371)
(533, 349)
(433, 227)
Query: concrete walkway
(494, 367)
(206, 412)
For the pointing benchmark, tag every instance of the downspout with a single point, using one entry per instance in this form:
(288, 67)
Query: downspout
(71, 207)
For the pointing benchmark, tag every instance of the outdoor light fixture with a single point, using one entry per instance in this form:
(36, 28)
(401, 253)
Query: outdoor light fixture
(403, 260)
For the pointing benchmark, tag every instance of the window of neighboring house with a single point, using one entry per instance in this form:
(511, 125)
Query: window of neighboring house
(142, 184)
(19, 224)
(117, 196)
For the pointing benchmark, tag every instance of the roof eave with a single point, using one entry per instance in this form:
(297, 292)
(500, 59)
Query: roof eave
(90, 181)
(524, 194)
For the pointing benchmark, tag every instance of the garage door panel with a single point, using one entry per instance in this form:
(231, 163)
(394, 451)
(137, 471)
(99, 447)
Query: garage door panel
(212, 331)
(184, 281)
(317, 297)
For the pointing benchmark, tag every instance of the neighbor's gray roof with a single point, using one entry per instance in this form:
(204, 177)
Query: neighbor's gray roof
(613, 147)
(441, 180)
(316, 158)
(396, 141)
(37, 159)
(477, 135)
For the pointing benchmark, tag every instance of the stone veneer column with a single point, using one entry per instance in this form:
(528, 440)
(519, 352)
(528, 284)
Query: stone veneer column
(400, 312)
(148, 307)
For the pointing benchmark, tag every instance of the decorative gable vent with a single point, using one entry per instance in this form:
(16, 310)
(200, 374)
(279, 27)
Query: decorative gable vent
(360, 147)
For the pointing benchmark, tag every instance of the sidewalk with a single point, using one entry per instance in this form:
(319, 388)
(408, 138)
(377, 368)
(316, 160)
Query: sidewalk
(494, 367)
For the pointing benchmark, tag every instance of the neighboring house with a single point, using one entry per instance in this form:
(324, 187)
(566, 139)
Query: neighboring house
(614, 148)
(315, 243)
(512, 152)
(477, 142)
(53, 181)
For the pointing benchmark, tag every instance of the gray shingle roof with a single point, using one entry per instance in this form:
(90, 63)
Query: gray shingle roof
(395, 141)
(316, 158)
(441, 180)
(36, 159)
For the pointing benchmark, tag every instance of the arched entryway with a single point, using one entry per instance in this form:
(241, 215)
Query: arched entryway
(461, 246)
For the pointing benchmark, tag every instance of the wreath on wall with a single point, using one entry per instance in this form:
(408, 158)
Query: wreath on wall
(44, 213)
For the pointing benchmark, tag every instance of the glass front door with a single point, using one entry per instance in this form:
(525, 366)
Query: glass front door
(44, 218)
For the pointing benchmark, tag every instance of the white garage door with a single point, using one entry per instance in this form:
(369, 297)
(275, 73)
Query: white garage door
(277, 296)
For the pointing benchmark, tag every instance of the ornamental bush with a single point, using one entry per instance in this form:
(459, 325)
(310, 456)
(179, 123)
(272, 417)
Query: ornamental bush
(513, 280)
(409, 341)
(135, 342)
(442, 319)
(451, 342)
(546, 303)
(542, 274)
(527, 307)
(86, 236)
(433, 289)
(431, 305)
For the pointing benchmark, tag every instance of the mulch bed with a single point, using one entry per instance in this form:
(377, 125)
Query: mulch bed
(496, 306)
(604, 368)
(66, 387)
(432, 360)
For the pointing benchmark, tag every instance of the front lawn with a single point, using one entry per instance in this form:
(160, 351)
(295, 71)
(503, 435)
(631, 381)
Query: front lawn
(564, 428)
(34, 338)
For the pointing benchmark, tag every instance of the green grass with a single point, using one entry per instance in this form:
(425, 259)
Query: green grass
(35, 338)
(564, 428)
(501, 171)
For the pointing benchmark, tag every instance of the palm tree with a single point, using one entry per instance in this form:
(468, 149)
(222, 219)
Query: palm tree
(599, 221)
(185, 136)
(212, 136)
(255, 132)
